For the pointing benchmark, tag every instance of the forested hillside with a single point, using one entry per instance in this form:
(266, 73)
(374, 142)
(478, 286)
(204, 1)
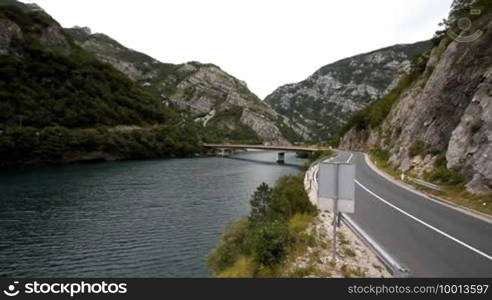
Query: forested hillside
(59, 103)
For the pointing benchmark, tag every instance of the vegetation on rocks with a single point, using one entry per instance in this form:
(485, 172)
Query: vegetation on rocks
(417, 148)
(223, 105)
(374, 114)
(428, 118)
(257, 245)
(450, 181)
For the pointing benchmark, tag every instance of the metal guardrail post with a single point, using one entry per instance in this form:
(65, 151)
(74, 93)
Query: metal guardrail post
(427, 184)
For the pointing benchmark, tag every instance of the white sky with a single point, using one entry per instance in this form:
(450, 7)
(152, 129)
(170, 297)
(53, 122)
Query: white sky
(266, 43)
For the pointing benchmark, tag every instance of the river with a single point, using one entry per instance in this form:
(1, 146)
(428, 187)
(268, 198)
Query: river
(152, 218)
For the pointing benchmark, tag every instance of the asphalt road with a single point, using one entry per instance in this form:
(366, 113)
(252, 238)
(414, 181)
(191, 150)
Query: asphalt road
(428, 238)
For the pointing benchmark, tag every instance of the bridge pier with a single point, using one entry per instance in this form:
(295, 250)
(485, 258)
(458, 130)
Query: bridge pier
(281, 158)
(226, 152)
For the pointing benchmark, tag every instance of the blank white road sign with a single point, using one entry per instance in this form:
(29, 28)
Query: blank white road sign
(327, 187)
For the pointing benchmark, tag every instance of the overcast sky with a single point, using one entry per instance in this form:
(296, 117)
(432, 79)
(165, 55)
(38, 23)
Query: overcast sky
(266, 43)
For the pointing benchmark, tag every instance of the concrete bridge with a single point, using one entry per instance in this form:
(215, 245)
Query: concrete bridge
(281, 155)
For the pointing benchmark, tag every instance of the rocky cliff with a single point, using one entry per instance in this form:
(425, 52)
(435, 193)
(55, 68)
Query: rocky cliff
(442, 122)
(325, 101)
(222, 104)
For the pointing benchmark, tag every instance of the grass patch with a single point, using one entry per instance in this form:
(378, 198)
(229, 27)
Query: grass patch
(243, 267)
(451, 182)
(445, 176)
(380, 155)
(299, 223)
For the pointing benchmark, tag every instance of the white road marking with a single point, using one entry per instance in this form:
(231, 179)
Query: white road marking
(350, 157)
(425, 224)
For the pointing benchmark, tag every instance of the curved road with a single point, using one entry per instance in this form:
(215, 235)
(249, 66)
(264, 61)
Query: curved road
(428, 238)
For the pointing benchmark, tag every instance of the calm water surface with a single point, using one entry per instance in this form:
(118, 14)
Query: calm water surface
(156, 218)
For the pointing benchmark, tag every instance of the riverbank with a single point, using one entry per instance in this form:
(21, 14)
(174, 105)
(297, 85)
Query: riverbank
(286, 236)
(29, 146)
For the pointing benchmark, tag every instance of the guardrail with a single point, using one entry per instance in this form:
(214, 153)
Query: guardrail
(391, 264)
(427, 184)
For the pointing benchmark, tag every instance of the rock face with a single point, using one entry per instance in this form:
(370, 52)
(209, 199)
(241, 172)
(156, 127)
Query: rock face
(8, 31)
(470, 146)
(54, 38)
(323, 102)
(215, 99)
(49, 34)
(446, 111)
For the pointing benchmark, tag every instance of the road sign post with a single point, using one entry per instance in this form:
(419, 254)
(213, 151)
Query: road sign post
(335, 212)
(336, 192)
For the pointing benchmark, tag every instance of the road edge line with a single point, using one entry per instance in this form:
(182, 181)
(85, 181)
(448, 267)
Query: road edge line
(469, 247)
(465, 210)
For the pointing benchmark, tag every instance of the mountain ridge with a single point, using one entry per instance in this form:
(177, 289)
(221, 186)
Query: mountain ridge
(60, 104)
(214, 98)
(439, 126)
(339, 89)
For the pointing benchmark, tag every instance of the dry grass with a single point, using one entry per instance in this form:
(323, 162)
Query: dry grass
(242, 268)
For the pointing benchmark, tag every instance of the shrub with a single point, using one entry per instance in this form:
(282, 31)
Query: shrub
(233, 244)
(257, 244)
(297, 226)
(290, 198)
(269, 244)
(445, 176)
(441, 161)
(417, 148)
(380, 155)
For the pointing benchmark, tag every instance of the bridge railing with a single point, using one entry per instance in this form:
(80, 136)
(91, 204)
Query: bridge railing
(268, 147)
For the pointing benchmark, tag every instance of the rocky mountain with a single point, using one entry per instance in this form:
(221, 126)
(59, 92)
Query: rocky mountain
(222, 104)
(323, 103)
(439, 124)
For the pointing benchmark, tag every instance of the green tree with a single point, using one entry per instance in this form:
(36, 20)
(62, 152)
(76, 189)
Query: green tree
(259, 203)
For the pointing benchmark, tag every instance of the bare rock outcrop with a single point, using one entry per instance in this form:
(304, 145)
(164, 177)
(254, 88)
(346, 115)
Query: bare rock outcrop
(8, 31)
(447, 110)
(209, 95)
